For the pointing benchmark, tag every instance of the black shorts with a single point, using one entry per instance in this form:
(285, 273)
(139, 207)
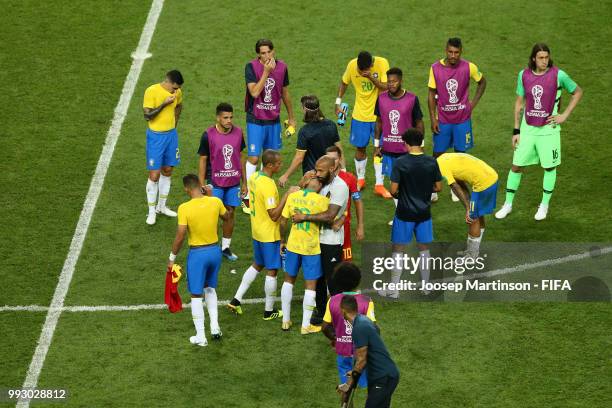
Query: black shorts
(331, 255)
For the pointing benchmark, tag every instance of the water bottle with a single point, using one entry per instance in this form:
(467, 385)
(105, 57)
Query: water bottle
(283, 257)
(343, 114)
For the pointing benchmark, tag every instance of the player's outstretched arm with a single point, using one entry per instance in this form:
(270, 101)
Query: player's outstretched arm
(276, 212)
(298, 158)
(482, 85)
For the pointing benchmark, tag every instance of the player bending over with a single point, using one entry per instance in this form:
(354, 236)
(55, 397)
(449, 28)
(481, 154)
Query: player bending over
(461, 171)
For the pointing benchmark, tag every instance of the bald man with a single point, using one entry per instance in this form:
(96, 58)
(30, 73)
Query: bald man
(331, 239)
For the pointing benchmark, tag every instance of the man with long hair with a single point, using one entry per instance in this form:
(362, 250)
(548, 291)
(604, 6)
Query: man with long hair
(536, 137)
(314, 137)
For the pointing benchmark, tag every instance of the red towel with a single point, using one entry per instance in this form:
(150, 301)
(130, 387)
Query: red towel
(172, 297)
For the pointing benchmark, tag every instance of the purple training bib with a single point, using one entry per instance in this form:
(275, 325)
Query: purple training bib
(396, 118)
(267, 105)
(343, 328)
(225, 156)
(540, 95)
(452, 86)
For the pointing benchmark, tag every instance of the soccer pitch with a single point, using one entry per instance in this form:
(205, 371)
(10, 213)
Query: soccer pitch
(66, 66)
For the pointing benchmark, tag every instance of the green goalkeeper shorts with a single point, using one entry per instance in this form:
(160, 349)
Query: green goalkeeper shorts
(544, 150)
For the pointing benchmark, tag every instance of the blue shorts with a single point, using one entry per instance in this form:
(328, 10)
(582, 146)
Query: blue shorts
(162, 149)
(458, 136)
(387, 164)
(345, 364)
(203, 266)
(229, 195)
(402, 231)
(361, 133)
(267, 254)
(262, 137)
(311, 265)
(483, 202)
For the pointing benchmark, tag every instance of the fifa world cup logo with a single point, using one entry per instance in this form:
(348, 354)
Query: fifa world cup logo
(268, 87)
(451, 86)
(394, 117)
(349, 327)
(227, 152)
(537, 92)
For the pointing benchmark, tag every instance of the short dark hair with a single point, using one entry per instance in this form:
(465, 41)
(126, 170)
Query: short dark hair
(312, 110)
(346, 276)
(454, 42)
(349, 303)
(395, 71)
(191, 181)
(263, 41)
(269, 156)
(334, 149)
(412, 137)
(224, 107)
(364, 60)
(175, 76)
(534, 51)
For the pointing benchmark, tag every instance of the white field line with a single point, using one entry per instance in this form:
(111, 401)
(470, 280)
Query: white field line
(91, 200)
(488, 274)
(527, 266)
(114, 308)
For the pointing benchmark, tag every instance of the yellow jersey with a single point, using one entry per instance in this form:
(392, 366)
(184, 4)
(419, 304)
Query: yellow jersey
(475, 74)
(201, 216)
(366, 93)
(153, 97)
(304, 237)
(263, 197)
(467, 168)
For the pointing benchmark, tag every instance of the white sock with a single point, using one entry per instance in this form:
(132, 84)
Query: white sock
(151, 194)
(481, 234)
(308, 306)
(270, 289)
(210, 296)
(164, 190)
(424, 264)
(396, 275)
(380, 179)
(473, 245)
(395, 200)
(250, 169)
(360, 168)
(286, 295)
(248, 278)
(225, 243)
(197, 313)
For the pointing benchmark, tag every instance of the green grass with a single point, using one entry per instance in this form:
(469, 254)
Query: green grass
(66, 80)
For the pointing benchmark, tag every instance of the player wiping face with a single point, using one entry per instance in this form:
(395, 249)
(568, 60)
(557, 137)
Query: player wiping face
(267, 57)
